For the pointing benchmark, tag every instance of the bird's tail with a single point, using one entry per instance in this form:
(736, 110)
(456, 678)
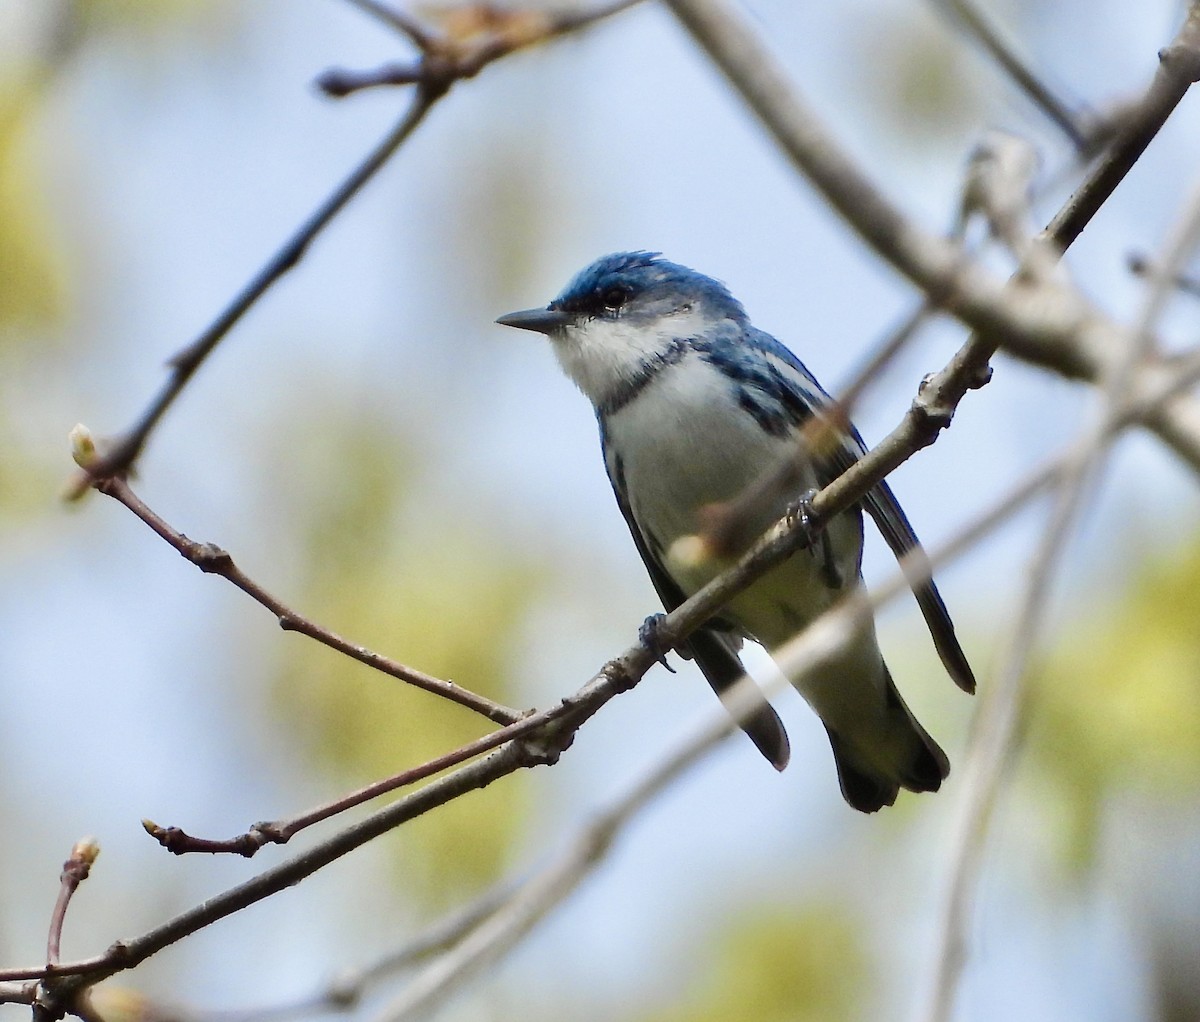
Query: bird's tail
(899, 754)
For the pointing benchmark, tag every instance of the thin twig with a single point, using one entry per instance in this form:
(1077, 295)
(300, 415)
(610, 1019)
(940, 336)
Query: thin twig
(993, 735)
(1140, 266)
(69, 978)
(499, 931)
(213, 560)
(281, 831)
(479, 35)
(74, 872)
(346, 991)
(1178, 69)
(969, 17)
(18, 993)
(399, 20)
(184, 363)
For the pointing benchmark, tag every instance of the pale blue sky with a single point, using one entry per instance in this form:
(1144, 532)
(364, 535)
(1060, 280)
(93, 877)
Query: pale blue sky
(174, 173)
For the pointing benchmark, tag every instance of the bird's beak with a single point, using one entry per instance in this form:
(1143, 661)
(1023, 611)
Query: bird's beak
(544, 321)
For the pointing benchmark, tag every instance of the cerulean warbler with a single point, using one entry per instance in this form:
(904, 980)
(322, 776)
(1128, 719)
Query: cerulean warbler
(695, 405)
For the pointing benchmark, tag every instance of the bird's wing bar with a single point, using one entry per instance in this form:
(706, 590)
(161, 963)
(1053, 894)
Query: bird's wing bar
(710, 649)
(893, 525)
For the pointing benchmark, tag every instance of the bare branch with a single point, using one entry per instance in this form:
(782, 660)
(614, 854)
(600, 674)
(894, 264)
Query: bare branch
(280, 832)
(477, 35)
(68, 979)
(1178, 70)
(1140, 266)
(528, 903)
(74, 872)
(213, 560)
(184, 363)
(346, 991)
(399, 20)
(994, 737)
(18, 993)
(929, 261)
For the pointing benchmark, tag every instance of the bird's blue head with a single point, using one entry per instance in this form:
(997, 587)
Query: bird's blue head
(644, 285)
(623, 311)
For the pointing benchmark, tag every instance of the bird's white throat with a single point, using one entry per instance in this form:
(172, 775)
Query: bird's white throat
(602, 356)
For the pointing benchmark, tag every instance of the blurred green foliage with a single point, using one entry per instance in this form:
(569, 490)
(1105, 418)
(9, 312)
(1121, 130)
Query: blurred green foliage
(922, 84)
(384, 568)
(32, 272)
(33, 279)
(775, 965)
(139, 14)
(1116, 709)
(34, 284)
(36, 289)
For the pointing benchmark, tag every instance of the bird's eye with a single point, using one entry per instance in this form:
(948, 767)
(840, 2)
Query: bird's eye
(614, 297)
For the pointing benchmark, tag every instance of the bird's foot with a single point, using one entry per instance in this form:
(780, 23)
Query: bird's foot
(820, 544)
(648, 636)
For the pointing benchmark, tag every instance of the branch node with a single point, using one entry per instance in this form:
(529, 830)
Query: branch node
(117, 953)
(980, 377)
(265, 832)
(621, 675)
(338, 82)
(179, 842)
(1182, 60)
(542, 748)
(208, 557)
(929, 418)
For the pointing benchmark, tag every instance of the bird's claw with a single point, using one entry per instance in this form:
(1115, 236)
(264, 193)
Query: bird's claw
(801, 510)
(648, 636)
(821, 545)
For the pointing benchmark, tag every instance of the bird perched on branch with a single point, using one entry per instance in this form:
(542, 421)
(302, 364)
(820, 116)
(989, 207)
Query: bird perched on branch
(696, 407)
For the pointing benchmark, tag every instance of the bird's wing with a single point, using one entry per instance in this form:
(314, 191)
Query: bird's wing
(893, 525)
(713, 651)
(889, 518)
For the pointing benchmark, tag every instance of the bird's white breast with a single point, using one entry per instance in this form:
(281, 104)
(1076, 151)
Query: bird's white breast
(685, 443)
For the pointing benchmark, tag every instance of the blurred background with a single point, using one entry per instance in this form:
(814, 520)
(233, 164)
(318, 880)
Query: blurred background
(373, 450)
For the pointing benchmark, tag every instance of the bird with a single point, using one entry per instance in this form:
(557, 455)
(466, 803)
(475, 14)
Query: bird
(695, 407)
